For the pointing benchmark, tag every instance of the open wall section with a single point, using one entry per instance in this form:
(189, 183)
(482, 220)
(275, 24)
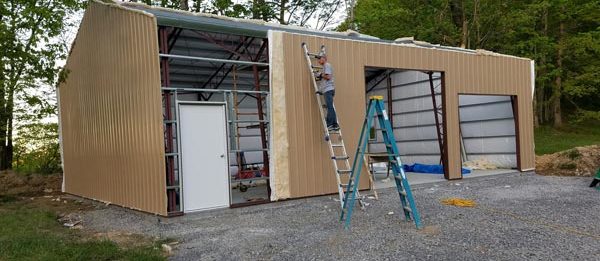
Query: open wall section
(209, 67)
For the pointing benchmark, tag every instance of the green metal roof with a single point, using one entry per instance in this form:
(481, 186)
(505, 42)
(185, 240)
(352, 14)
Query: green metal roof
(209, 23)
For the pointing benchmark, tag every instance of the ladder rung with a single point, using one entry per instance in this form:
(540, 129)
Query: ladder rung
(337, 145)
(407, 209)
(313, 54)
(378, 154)
(340, 157)
(248, 121)
(343, 185)
(316, 67)
(344, 171)
(250, 150)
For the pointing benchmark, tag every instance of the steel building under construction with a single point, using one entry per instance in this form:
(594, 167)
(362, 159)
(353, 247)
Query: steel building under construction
(171, 112)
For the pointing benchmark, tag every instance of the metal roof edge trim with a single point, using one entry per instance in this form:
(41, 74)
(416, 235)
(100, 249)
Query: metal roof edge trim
(258, 28)
(430, 46)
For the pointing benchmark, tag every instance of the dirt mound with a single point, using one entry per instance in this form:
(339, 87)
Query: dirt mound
(580, 161)
(29, 185)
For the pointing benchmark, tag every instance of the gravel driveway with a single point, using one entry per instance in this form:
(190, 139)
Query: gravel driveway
(518, 217)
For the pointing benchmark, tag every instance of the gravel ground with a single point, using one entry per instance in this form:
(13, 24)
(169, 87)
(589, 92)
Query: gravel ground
(518, 217)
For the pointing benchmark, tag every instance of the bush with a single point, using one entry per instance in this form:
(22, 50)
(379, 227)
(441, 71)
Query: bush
(573, 154)
(36, 149)
(583, 116)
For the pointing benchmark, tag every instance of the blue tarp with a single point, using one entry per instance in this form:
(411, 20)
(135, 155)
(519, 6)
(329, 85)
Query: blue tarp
(429, 169)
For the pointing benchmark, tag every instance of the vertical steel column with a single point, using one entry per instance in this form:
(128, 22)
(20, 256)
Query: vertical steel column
(261, 115)
(444, 139)
(436, 115)
(515, 109)
(261, 118)
(169, 152)
(389, 97)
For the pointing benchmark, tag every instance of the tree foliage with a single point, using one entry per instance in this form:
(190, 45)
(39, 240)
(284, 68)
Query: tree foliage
(29, 50)
(563, 37)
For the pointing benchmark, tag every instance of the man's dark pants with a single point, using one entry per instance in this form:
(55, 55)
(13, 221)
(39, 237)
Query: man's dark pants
(331, 117)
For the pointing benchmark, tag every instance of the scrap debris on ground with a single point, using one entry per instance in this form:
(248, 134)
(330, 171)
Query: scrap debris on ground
(459, 202)
(580, 161)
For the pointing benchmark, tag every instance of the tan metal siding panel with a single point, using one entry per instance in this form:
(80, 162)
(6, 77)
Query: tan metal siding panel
(110, 109)
(465, 73)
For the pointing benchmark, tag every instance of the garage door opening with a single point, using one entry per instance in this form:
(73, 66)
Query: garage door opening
(488, 136)
(415, 106)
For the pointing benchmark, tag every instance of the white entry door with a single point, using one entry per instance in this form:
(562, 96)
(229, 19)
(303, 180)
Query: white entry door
(204, 156)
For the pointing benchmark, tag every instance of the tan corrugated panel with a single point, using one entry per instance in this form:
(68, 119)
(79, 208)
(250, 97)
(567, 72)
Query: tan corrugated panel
(110, 108)
(309, 166)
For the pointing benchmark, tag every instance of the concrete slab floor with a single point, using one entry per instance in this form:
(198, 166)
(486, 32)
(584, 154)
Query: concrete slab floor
(519, 216)
(254, 192)
(383, 181)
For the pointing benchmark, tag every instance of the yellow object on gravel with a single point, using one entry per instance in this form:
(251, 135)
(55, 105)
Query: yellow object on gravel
(459, 202)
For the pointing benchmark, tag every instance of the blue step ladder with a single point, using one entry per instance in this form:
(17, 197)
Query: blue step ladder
(376, 108)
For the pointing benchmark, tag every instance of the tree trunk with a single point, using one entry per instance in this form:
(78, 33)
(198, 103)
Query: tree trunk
(476, 24)
(540, 90)
(465, 29)
(4, 151)
(558, 88)
(9, 130)
(351, 14)
(459, 18)
(282, 7)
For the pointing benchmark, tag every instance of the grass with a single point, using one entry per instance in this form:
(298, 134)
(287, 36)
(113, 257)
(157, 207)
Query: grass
(549, 140)
(30, 233)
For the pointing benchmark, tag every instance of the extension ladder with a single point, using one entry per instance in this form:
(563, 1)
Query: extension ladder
(376, 108)
(334, 139)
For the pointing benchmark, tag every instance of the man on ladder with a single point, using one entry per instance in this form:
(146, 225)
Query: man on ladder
(327, 88)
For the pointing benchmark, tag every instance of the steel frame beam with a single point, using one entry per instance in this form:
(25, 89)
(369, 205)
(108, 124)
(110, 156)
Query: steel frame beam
(437, 114)
(242, 44)
(170, 154)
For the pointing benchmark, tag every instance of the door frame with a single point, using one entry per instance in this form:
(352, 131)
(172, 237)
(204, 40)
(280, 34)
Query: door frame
(179, 140)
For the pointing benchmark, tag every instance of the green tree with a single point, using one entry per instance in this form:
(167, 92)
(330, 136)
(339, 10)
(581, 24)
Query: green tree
(563, 37)
(29, 52)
